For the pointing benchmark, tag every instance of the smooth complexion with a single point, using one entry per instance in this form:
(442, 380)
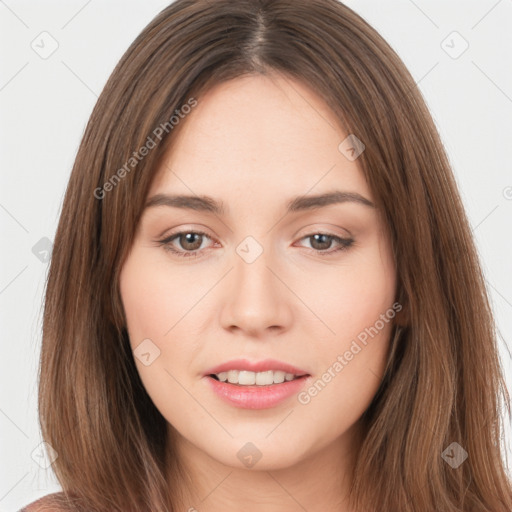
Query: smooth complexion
(256, 143)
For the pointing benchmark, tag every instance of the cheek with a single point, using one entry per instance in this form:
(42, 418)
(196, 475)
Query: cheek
(363, 297)
(153, 302)
(357, 305)
(151, 298)
(351, 297)
(349, 372)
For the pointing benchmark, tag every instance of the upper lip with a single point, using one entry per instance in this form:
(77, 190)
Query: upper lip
(256, 366)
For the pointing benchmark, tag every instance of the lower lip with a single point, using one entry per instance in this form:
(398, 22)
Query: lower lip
(256, 397)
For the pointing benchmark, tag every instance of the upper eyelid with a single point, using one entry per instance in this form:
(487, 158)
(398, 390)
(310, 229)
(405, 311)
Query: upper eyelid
(310, 231)
(173, 236)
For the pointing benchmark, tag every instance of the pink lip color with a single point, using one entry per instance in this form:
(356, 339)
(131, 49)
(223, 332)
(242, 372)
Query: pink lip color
(259, 366)
(256, 397)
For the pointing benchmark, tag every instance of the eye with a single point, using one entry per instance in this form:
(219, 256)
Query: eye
(191, 242)
(320, 242)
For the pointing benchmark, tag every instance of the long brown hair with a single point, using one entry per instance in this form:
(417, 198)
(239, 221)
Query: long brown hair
(443, 382)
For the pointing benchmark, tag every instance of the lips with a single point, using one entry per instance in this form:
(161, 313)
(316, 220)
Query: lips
(256, 366)
(260, 396)
(256, 397)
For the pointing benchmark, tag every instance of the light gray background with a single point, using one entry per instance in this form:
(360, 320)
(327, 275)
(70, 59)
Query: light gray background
(45, 104)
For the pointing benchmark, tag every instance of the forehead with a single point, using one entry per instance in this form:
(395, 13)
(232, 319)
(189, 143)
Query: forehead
(259, 135)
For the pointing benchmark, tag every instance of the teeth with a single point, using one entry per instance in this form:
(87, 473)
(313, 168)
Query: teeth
(246, 378)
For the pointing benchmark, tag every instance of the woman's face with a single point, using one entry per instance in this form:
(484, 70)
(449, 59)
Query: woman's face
(277, 275)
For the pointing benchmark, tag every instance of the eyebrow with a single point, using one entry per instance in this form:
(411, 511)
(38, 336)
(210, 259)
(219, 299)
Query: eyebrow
(301, 203)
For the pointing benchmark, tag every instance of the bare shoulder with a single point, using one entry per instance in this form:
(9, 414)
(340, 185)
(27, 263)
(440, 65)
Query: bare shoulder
(50, 503)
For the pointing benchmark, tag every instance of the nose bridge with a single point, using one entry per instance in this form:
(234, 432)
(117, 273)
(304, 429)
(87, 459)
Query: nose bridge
(251, 265)
(256, 299)
(254, 281)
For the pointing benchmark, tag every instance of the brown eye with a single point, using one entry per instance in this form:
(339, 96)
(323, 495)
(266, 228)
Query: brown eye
(190, 241)
(321, 243)
(185, 243)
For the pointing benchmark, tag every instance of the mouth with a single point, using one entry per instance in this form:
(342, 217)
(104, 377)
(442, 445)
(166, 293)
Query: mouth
(256, 385)
(243, 372)
(244, 378)
(256, 396)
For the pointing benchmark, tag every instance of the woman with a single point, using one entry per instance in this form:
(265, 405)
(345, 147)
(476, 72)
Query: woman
(264, 292)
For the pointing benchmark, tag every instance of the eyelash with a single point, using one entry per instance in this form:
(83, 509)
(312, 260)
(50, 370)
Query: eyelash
(166, 243)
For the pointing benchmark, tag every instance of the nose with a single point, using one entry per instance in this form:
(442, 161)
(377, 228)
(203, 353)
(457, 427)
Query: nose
(256, 301)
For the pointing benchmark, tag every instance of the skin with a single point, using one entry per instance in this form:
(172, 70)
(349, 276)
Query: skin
(254, 143)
